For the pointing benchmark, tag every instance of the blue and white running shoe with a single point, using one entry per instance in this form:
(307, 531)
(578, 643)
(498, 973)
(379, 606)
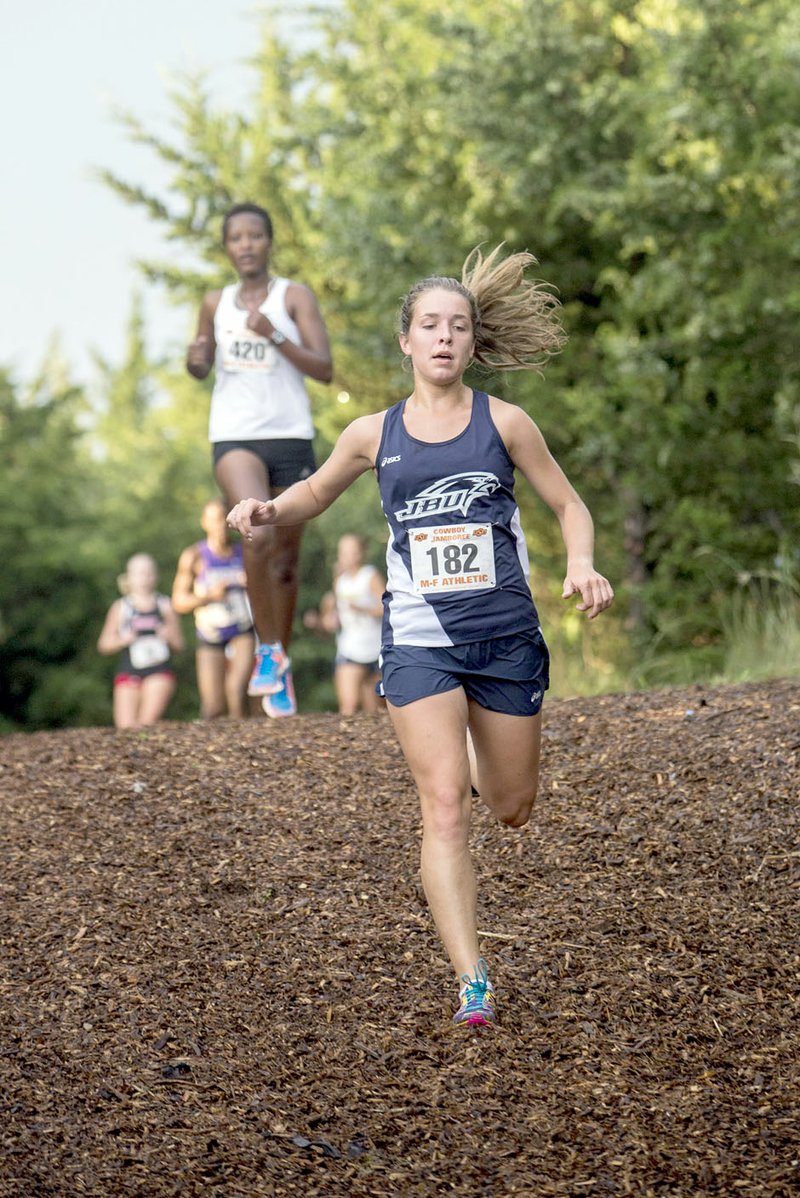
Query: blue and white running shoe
(477, 999)
(268, 669)
(282, 702)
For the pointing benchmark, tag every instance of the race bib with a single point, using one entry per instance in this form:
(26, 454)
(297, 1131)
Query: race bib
(244, 351)
(148, 651)
(237, 606)
(452, 559)
(232, 612)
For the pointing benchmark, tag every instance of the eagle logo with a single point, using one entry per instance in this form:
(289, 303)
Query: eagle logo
(450, 495)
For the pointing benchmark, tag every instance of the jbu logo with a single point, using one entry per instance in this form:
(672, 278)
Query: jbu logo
(452, 494)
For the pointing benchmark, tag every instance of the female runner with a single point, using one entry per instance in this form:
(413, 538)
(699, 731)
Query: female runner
(462, 648)
(144, 629)
(263, 335)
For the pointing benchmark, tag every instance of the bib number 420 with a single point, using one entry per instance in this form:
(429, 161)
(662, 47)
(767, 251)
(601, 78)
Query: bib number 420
(240, 354)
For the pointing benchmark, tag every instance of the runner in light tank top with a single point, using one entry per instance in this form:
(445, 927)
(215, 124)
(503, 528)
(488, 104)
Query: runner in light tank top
(463, 655)
(353, 611)
(264, 335)
(259, 395)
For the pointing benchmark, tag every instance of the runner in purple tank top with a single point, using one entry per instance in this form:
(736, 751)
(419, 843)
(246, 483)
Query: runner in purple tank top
(464, 663)
(210, 583)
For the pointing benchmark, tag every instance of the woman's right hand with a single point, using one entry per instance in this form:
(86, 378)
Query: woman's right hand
(251, 513)
(216, 593)
(197, 356)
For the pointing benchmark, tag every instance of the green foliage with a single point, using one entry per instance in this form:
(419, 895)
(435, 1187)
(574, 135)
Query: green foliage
(50, 608)
(761, 628)
(646, 150)
(83, 487)
(149, 439)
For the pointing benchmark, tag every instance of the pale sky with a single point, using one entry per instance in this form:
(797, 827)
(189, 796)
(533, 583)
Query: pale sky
(69, 243)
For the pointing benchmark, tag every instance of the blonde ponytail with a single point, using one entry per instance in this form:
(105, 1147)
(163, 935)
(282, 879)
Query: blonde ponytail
(519, 325)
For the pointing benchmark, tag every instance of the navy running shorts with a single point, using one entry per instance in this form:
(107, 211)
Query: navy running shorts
(507, 674)
(287, 459)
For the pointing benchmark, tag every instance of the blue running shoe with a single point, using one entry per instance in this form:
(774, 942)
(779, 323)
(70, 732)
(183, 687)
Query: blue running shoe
(282, 702)
(477, 999)
(270, 665)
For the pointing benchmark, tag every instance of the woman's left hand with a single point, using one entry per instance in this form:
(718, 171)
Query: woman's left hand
(258, 323)
(595, 591)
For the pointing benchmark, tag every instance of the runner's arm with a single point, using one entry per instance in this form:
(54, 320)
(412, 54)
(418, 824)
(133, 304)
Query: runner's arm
(352, 455)
(111, 639)
(170, 626)
(529, 453)
(328, 615)
(200, 353)
(377, 586)
(313, 355)
(184, 597)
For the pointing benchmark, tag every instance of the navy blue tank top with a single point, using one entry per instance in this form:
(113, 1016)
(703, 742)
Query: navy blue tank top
(456, 561)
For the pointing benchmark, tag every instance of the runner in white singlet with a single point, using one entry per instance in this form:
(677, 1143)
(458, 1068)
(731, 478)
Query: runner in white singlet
(353, 610)
(263, 335)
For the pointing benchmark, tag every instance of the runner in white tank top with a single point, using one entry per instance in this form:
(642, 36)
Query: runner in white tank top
(353, 610)
(259, 395)
(263, 335)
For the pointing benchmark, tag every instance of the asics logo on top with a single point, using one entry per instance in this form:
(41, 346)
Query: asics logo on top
(389, 461)
(452, 494)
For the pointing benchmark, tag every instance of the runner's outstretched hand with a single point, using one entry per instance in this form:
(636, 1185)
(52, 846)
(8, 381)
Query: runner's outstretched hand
(249, 514)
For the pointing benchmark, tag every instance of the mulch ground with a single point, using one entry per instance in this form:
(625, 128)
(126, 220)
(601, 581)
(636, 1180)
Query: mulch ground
(219, 976)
